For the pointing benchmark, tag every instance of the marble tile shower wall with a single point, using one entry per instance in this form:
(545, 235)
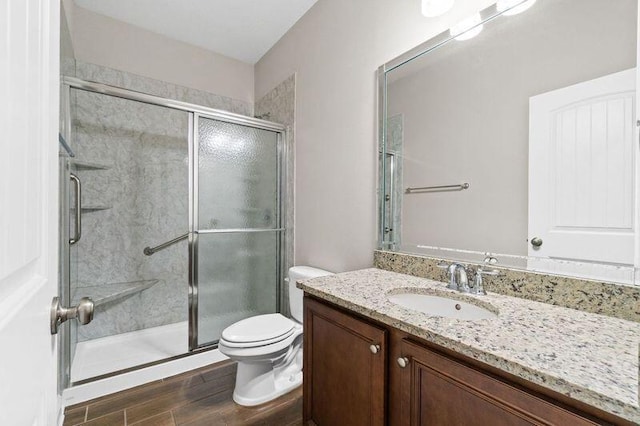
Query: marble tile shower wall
(140, 200)
(279, 106)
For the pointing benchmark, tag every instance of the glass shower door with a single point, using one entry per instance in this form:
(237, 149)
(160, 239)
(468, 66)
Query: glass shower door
(237, 230)
(132, 160)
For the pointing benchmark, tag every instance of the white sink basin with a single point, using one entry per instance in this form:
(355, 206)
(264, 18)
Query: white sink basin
(441, 306)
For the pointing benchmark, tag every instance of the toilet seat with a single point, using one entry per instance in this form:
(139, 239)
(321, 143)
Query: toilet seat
(259, 330)
(258, 351)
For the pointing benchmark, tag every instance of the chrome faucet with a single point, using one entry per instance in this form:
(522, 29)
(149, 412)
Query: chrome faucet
(478, 283)
(458, 279)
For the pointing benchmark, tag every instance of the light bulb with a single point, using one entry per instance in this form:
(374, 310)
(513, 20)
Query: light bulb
(508, 5)
(468, 28)
(432, 8)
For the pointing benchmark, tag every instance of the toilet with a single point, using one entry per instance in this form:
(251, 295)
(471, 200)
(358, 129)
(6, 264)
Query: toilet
(268, 348)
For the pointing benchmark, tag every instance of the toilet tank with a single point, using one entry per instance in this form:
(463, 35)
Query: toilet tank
(296, 295)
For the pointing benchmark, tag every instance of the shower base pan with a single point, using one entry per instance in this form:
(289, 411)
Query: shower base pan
(106, 355)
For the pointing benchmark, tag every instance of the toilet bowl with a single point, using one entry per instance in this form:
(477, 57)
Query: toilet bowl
(268, 348)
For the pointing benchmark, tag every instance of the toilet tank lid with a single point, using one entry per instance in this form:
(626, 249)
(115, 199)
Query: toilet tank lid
(307, 272)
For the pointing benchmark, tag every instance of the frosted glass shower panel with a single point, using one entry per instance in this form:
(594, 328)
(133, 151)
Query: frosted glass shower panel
(237, 278)
(238, 176)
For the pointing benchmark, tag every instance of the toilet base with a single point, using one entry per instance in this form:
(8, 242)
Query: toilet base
(274, 389)
(260, 382)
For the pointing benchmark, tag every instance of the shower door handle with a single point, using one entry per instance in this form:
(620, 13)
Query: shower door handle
(83, 313)
(78, 215)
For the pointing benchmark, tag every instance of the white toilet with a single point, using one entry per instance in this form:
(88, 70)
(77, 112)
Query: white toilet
(268, 347)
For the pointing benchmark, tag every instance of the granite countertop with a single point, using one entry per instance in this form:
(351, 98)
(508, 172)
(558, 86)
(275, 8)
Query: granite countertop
(588, 357)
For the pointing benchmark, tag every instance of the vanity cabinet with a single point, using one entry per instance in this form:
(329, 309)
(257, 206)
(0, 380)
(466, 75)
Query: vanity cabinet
(359, 372)
(438, 390)
(344, 368)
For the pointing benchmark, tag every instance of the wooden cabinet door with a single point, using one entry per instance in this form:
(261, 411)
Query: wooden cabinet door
(344, 380)
(437, 390)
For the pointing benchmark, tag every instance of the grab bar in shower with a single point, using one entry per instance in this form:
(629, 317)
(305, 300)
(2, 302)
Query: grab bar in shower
(438, 188)
(151, 250)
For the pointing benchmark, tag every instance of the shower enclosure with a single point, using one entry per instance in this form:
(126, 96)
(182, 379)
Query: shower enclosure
(172, 223)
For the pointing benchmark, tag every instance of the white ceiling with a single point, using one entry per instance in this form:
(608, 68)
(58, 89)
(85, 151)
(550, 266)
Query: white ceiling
(241, 29)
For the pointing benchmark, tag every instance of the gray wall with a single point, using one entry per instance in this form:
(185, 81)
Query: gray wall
(114, 44)
(335, 50)
(466, 112)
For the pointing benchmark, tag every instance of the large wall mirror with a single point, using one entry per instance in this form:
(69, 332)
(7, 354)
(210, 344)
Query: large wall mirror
(515, 135)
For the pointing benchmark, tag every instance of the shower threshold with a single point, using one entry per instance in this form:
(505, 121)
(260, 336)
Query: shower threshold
(97, 357)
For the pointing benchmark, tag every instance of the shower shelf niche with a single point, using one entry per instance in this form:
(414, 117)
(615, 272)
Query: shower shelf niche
(111, 292)
(86, 165)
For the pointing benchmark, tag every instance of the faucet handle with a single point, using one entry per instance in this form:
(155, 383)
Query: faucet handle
(478, 283)
(443, 265)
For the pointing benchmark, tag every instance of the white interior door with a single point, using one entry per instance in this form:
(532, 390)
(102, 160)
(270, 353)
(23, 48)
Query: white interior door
(582, 170)
(29, 57)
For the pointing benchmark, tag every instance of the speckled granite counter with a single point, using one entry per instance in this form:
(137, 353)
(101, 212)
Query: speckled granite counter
(591, 358)
(615, 300)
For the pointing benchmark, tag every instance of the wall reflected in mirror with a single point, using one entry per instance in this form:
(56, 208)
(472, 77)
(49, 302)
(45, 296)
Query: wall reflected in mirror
(537, 114)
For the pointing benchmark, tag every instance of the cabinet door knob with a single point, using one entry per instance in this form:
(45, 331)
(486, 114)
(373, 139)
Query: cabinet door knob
(403, 361)
(374, 349)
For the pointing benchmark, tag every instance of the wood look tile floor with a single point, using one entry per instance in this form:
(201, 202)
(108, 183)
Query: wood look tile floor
(198, 397)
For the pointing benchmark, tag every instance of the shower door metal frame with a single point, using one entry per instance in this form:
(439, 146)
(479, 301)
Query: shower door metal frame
(194, 112)
(195, 231)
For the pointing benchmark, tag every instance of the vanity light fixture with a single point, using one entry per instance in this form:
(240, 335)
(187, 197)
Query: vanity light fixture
(508, 5)
(468, 28)
(433, 8)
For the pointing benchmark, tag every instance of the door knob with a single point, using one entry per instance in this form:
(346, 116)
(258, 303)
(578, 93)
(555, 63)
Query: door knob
(83, 313)
(374, 349)
(403, 361)
(536, 241)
